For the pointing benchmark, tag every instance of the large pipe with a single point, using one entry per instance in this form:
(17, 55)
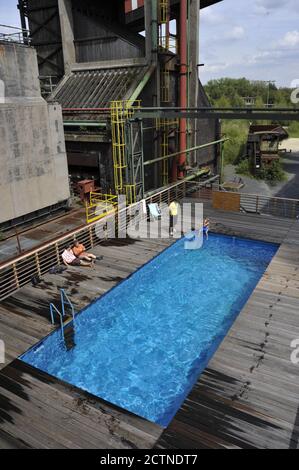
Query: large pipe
(183, 89)
(83, 110)
(189, 150)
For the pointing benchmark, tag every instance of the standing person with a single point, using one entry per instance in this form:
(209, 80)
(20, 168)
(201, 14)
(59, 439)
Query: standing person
(173, 216)
(69, 259)
(206, 227)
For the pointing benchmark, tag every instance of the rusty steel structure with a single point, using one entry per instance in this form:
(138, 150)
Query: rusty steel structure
(95, 54)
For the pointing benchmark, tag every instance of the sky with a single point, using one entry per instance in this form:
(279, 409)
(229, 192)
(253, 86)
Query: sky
(258, 40)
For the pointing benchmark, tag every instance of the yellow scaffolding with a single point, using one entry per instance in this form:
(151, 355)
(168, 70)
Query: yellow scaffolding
(166, 127)
(120, 112)
(99, 206)
(165, 85)
(162, 125)
(131, 195)
(163, 11)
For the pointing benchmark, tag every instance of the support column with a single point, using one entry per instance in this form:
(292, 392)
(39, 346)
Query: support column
(151, 45)
(67, 33)
(194, 19)
(183, 86)
(150, 39)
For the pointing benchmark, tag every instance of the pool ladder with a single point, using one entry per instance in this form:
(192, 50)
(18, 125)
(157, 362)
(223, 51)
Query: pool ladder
(64, 300)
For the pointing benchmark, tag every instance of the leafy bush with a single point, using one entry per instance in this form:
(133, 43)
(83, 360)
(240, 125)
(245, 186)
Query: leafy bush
(293, 129)
(273, 173)
(237, 132)
(234, 90)
(243, 168)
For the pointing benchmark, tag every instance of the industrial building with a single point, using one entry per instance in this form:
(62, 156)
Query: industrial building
(34, 174)
(133, 341)
(101, 60)
(263, 144)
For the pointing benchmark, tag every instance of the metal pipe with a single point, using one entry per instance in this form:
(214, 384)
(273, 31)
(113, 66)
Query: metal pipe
(183, 88)
(84, 124)
(176, 154)
(142, 84)
(221, 162)
(83, 110)
(14, 27)
(171, 186)
(209, 108)
(189, 137)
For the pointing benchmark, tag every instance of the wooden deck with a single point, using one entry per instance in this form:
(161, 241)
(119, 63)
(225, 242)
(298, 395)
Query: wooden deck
(248, 397)
(37, 411)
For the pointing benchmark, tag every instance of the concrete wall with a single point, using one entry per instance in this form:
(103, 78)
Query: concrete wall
(18, 71)
(33, 162)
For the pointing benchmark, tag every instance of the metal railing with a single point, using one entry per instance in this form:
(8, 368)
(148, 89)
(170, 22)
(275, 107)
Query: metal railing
(53, 310)
(14, 34)
(61, 314)
(266, 205)
(65, 300)
(18, 272)
(99, 206)
(48, 84)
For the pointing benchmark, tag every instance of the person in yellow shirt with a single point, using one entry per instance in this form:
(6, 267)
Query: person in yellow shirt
(206, 227)
(173, 216)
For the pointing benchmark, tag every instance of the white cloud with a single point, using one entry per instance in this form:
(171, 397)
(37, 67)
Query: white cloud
(291, 39)
(270, 50)
(209, 16)
(265, 6)
(217, 67)
(237, 32)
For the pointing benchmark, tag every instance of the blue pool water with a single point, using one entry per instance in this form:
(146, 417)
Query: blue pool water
(144, 344)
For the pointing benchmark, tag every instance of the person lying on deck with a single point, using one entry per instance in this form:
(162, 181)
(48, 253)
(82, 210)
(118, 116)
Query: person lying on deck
(81, 253)
(69, 259)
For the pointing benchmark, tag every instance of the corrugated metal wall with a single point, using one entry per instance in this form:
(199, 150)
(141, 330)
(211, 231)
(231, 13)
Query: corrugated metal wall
(95, 40)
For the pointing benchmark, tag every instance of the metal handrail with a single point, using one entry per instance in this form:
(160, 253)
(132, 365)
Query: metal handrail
(53, 309)
(19, 35)
(65, 300)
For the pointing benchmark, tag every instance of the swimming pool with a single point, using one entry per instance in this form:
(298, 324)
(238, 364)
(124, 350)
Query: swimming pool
(143, 345)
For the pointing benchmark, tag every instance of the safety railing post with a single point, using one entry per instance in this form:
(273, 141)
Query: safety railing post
(15, 271)
(57, 253)
(38, 264)
(91, 237)
(62, 302)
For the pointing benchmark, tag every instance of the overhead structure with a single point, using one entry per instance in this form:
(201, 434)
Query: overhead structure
(95, 55)
(184, 65)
